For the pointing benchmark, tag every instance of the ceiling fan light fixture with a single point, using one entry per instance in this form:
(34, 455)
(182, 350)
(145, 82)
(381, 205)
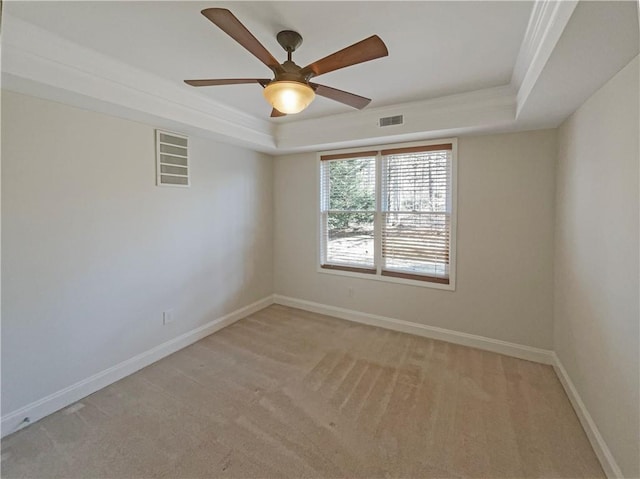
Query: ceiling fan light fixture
(289, 96)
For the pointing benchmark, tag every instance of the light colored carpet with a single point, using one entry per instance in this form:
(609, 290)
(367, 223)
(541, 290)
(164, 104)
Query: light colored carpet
(287, 393)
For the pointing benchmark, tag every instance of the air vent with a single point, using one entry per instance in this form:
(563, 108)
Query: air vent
(172, 159)
(391, 120)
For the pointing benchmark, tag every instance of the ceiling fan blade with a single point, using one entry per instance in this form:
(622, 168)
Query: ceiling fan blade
(363, 51)
(227, 81)
(275, 113)
(342, 96)
(229, 24)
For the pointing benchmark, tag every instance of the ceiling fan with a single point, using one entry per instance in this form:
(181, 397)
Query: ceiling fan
(290, 91)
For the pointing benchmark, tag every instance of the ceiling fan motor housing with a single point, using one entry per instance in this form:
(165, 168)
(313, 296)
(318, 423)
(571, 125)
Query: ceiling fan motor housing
(290, 72)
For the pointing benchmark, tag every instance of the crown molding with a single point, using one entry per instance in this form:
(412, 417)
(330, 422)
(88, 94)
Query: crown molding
(40, 63)
(546, 24)
(35, 59)
(450, 115)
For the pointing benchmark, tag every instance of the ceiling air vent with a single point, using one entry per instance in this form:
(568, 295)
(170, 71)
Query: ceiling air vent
(391, 120)
(172, 159)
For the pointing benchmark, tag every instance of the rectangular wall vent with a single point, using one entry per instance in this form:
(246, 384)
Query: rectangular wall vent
(172, 159)
(391, 120)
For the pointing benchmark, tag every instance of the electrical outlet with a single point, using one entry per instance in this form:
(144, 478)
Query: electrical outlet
(350, 292)
(167, 317)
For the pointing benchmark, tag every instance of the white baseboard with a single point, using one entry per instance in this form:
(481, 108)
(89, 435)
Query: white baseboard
(480, 342)
(611, 468)
(14, 421)
(608, 462)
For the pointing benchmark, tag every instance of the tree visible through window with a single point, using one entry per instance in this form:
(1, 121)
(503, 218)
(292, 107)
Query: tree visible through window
(397, 223)
(350, 206)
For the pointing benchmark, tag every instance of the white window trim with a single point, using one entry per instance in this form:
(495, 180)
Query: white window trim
(454, 217)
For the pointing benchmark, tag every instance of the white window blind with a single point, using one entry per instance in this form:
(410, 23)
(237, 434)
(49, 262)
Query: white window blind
(388, 212)
(172, 159)
(348, 208)
(416, 212)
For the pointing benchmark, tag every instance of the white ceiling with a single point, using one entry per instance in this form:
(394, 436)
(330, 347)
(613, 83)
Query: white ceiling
(454, 67)
(435, 48)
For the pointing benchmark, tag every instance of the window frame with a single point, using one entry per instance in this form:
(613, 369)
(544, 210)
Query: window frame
(377, 275)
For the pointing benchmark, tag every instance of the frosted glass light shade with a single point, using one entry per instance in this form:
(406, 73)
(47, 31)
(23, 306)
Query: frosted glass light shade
(289, 96)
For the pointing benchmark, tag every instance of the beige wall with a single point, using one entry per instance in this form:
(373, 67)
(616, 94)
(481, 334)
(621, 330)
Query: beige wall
(504, 249)
(596, 261)
(93, 251)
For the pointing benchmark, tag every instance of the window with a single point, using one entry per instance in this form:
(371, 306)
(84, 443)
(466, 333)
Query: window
(389, 213)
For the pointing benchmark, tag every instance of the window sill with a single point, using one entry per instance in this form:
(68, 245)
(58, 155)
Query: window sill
(390, 279)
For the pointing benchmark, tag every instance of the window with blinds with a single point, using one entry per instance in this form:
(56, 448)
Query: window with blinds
(389, 212)
(416, 212)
